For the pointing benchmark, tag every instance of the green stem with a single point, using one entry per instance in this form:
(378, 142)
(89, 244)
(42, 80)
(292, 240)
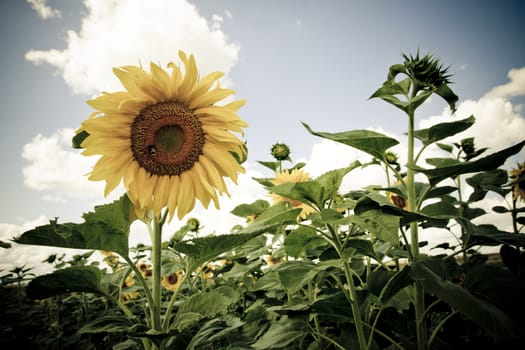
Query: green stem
(167, 316)
(156, 252)
(419, 303)
(438, 327)
(143, 283)
(352, 295)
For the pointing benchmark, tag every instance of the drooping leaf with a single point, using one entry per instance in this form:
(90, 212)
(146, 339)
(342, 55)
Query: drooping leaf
(484, 182)
(71, 279)
(443, 130)
(109, 324)
(484, 313)
(368, 141)
(89, 235)
(281, 334)
(489, 162)
(107, 228)
(448, 95)
(488, 235)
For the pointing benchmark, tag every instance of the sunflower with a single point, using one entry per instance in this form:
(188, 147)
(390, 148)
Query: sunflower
(165, 138)
(172, 282)
(518, 182)
(293, 176)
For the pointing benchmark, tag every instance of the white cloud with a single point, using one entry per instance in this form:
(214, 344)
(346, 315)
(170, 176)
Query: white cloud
(43, 10)
(515, 87)
(57, 170)
(127, 32)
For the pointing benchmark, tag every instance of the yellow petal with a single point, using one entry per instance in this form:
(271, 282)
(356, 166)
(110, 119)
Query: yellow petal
(161, 194)
(176, 79)
(186, 200)
(204, 84)
(174, 194)
(213, 175)
(210, 98)
(190, 77)
(108, 102)
(161, 79)
(128, 76)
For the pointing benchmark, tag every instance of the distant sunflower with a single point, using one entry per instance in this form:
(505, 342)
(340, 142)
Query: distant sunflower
(293, 176)
(172, 282)
(165, 137)
(518, 182)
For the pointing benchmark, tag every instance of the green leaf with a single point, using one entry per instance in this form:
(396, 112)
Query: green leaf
(440, 191)
(295, 274)
(443, 130)
(489, 235)
(299, 241)
(444, 147)
(308, 192)
(331, 181)
(484, 182)
(199, 306)
(270, 165)
(72, 279)
(381, 225)
(281, 334)
(485, 314)
(489, 162)
(79, 138)
(109, 324)
(117, 214)
(367, 141)
(107, 228)
(448, 95)
(255, 208)
(89, 235)
(360, 246)
(440, 210)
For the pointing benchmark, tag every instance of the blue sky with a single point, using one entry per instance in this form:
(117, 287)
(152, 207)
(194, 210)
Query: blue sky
(293, 61)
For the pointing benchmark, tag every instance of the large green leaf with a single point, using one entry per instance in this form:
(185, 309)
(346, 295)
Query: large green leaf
(488, 235)
(489, 162)
(368, 141)
(484, 313)
(106, 228)
(118, 214)
(331, 181)
(381, 225)
(72, 279)
(281, 334)
(443, 130)
(88, 235)
(295, 274)
(199, 306)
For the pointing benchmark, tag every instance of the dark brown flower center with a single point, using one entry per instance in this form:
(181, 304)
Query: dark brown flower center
(166, 138)
(173, 278)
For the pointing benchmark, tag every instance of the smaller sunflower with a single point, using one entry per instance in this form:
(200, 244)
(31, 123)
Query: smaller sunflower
(128, 283)
(293, 176)
(517, 177)
(398, 200)
(145, 269)
(173, 281)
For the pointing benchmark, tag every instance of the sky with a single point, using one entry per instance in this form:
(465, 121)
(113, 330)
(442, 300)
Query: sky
(293, 61)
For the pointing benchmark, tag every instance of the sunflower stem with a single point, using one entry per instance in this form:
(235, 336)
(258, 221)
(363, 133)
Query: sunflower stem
(419, 303)
(156, 250)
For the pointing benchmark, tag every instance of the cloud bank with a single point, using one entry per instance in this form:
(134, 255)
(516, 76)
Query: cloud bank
(128, 32)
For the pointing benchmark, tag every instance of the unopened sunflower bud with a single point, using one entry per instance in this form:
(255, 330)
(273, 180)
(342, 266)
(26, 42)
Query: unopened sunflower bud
(281, 151)
(391, 158)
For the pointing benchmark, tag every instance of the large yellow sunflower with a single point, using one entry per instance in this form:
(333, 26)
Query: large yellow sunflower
(165, 137)
(293, 176)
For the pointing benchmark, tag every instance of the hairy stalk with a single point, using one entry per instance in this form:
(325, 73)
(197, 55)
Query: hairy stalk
(419, 303)
(352, 295)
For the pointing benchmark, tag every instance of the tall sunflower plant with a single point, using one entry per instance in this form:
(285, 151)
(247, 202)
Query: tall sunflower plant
(313, 267)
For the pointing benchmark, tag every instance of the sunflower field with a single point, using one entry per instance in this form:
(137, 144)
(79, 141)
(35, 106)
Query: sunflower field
(312, 267)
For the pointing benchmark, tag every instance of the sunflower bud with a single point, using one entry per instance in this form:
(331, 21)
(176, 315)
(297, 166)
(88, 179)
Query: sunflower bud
(391, 158)
(427, 72)
(281, 151)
